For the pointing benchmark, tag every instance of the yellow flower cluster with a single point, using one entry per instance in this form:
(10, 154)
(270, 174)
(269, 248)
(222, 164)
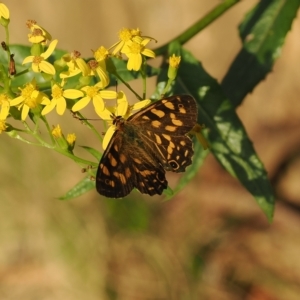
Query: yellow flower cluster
(92, 76)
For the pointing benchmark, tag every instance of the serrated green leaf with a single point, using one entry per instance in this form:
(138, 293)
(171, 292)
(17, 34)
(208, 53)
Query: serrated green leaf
(82, 187)
(263, 33)
(227, 137)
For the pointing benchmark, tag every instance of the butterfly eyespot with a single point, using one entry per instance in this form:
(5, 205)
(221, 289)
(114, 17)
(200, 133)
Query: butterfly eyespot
(174, 164)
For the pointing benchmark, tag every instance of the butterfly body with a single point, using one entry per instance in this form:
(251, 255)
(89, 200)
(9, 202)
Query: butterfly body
(145, 146)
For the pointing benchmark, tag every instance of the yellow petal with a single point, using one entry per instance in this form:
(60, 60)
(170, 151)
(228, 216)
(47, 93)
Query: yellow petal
(82, 103)
(108, 135)
(69, 73)
(148, 52)
(50, 49)
(108, 94)
(122, 108)
(141, 104)
(46, 67)
(61, 106)
(25, 111)
(16, 101)
(4, 11)
(134, 62)
(82, 65)
(104, 114)
(73, 94)
(28, 59)
(98, 103)
(49, 107)
(4, 111)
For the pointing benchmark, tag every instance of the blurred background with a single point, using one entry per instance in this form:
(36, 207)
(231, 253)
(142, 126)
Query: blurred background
(209, 242)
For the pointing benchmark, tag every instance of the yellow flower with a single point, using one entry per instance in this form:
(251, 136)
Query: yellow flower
(101, 54)
(125, 35)
(3, 126)
(60, 139)
(39, 63)
(71, 138)
(56, 131)
(95, 94)
(99, 68)
(5, 104)
(174, 62)
(123, 109)
(134, 50)
(4, 11)
(75, 64)
(38, 34)
(58, 99)
(30, 98)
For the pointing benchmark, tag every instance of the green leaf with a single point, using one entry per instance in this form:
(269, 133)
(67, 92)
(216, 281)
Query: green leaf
(263, 34)
(82, 187)
(92, 151)
(227, 137)
(20, 52)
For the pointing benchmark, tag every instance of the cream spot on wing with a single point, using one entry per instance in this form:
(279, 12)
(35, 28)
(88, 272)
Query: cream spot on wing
(172, 116)
(105, 171)
(158, 112)
(158, 139)
(170, 150)
(166, 136)
(170, 128)
(123, 158)
(177, 122)
(169, 105)
(145, 118)
(182, 143)
(182, 109)
(120, 176)
(156, 124)
(186, 153)
(112, 160)
(138, 161)
(127, 172)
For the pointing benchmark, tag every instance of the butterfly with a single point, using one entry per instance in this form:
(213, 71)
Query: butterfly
(146, 145)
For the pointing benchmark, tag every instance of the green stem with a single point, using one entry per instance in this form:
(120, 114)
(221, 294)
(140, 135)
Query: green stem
(198, 26)
(76, 158)
(42, 143)
(144, 77)
(89, 125)
(128, 86)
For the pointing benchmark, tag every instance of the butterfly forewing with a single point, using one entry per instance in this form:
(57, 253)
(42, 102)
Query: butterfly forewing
(145, 145)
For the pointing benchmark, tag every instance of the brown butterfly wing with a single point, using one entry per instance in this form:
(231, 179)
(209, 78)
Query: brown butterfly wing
(124, 166)
(144, 146)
